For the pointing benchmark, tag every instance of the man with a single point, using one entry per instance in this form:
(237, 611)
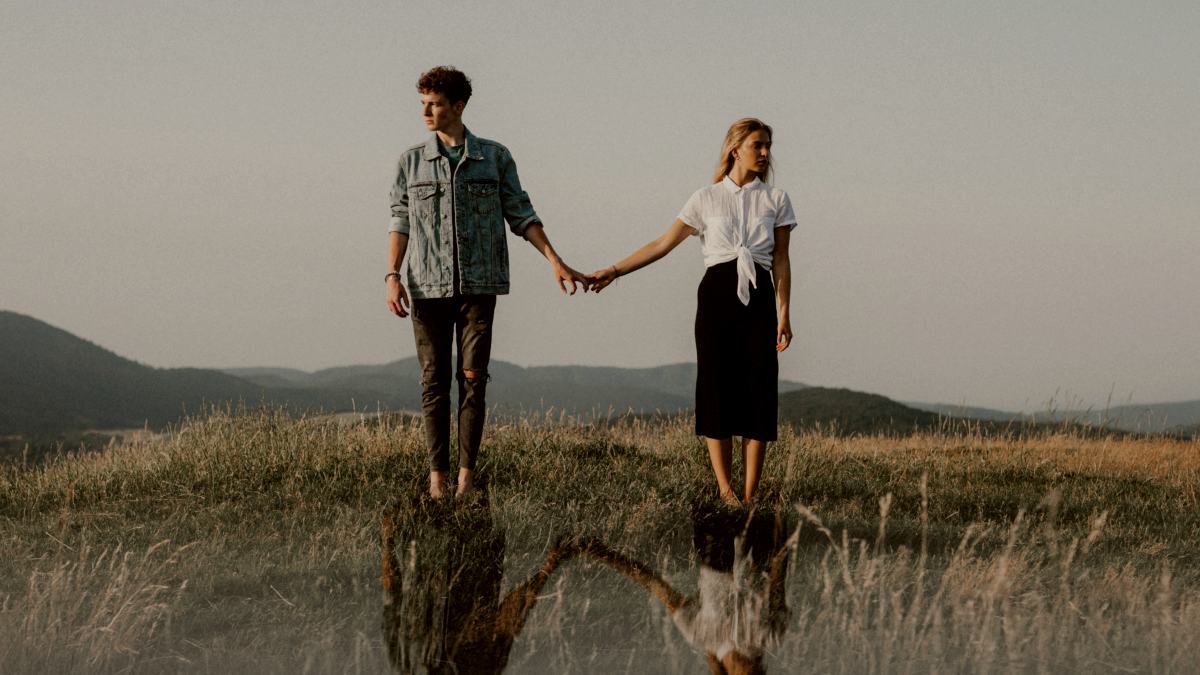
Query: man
(452, 196)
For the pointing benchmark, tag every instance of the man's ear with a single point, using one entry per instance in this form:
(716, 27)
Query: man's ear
(459, 106)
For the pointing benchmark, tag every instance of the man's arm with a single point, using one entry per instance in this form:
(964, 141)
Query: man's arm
(536, 235)
(397, 297)
(523, 220)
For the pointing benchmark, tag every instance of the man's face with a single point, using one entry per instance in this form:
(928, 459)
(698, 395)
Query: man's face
(440, 114)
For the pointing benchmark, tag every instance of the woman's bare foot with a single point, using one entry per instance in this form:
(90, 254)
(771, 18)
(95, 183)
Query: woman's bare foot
(466, 484)
(730, 499)
(437, 484)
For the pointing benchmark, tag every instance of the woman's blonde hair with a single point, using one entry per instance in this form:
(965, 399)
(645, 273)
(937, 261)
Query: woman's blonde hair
(733, 138)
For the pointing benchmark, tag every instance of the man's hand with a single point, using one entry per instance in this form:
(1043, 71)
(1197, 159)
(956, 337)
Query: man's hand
(535, 234)
(563, 274)
(397, 297)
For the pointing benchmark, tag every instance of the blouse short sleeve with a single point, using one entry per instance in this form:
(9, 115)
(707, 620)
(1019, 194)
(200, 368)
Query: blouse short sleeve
(692, 214)
(784, 215)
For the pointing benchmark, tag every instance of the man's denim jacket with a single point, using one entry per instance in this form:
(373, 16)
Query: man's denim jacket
(458, 213)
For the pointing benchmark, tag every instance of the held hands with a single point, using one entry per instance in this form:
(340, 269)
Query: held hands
(600, 279)
(399, 304)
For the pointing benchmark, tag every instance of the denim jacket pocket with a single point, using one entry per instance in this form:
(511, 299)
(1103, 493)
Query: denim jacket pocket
(423, 265)
(485, 197)
(484, 252)
(422, 199)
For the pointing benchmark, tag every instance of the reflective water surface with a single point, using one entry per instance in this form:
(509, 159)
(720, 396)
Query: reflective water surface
(457, 601)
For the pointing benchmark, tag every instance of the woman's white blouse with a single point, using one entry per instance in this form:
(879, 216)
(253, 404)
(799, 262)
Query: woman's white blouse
(738, 223)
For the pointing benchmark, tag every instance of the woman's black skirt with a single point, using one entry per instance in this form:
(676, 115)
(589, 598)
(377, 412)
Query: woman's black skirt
(737, 379)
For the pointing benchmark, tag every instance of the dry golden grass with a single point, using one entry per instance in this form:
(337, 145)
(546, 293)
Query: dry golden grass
(1159, 458)
(249, 542)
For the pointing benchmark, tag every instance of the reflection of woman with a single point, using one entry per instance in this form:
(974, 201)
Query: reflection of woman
(442, 609)
(744, 225)
(740, 609)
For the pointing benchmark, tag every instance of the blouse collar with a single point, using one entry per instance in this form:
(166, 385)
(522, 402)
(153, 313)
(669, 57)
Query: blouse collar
(735, 188)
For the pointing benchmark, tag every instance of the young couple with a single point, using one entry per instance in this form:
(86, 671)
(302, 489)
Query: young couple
(450, 201)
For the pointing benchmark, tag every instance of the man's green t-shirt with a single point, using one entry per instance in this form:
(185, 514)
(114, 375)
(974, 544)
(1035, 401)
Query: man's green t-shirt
(453, 153)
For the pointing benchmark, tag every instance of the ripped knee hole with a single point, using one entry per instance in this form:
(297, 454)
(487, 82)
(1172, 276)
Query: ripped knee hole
(474, 375)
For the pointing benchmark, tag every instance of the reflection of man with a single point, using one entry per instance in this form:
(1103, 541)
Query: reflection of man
(442, 608)
(452, 195)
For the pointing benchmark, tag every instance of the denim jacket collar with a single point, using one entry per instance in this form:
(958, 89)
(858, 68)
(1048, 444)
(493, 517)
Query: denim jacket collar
(431, 151)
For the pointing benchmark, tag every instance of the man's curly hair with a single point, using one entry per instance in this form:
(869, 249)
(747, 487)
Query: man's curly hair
(447, 81)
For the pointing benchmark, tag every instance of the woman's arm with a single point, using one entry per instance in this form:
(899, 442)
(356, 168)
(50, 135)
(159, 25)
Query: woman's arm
(781, 267)
(635, 572)
(676, 233)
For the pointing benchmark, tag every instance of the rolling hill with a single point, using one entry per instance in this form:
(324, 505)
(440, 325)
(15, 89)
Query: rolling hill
(512, 389)
(53, 382)
(851, 412)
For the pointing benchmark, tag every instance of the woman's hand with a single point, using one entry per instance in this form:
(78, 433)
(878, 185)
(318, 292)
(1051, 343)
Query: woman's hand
(783, 335)
(601, 278)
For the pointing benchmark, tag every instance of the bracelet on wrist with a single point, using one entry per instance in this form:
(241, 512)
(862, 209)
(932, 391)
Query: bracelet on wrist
(391, 274)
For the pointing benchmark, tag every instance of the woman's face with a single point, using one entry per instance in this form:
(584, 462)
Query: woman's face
(753, 153)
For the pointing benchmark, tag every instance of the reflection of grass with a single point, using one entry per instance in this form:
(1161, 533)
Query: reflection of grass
(271, 560)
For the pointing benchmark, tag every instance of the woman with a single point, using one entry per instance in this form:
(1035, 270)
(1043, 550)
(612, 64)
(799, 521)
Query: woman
(740, 609)
(744, 225)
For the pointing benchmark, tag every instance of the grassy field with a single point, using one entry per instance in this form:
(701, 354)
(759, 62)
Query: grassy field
(253, 542)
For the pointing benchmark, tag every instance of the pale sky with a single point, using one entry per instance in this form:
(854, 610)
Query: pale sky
(999, 202)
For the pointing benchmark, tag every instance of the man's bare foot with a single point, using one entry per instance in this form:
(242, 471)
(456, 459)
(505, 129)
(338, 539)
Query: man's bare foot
(437, 484)
(730, 499)
(466, 484)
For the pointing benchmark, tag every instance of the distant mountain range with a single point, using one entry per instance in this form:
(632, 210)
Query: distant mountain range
(971, 412)
(588, 390)
(52, 382)
(1181, 418)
